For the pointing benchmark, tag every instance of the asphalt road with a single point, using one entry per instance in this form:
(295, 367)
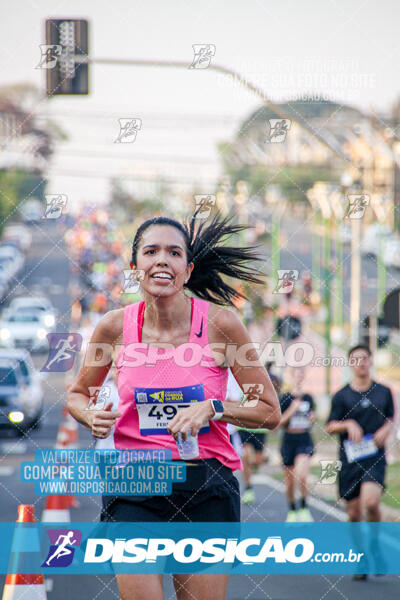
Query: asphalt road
(47, 269)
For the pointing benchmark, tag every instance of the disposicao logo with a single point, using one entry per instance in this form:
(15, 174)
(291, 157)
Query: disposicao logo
(190, 550)
(62, 547)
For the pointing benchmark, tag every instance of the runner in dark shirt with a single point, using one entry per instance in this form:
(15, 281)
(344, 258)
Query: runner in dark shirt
(361, 414)
(297, 445)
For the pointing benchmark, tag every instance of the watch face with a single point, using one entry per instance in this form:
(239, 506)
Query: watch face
(218, 406)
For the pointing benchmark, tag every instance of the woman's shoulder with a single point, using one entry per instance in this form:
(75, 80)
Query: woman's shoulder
(111, 324)
(223, 321)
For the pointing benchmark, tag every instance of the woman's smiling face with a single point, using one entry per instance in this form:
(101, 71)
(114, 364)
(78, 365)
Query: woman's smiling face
(161, 255)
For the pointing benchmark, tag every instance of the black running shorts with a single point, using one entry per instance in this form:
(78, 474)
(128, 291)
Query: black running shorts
(353, 475)
(209, 494)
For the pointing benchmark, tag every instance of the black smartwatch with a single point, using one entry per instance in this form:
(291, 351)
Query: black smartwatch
(218, 407)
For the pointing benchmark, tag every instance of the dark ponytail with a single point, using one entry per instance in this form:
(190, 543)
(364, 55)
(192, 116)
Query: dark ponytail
(211, 259)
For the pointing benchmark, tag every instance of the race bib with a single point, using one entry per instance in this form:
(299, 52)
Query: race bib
(157, 406)
(358, 451)
(300, 421)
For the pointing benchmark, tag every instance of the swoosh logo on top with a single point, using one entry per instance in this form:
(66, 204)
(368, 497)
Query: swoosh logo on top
(201, 329)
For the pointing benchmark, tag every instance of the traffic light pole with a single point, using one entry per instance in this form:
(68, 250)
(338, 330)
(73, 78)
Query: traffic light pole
(136, 62)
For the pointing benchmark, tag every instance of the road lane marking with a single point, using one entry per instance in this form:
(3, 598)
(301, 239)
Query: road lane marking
(5, 471)
(13, 447)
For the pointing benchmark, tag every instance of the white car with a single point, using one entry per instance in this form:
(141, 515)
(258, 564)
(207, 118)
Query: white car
(23, 330)
(11, 256)
(18, 409)
(35, 304)
(32, 377)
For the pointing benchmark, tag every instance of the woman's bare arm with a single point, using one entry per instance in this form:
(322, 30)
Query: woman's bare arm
(106, 336)
(263, 412)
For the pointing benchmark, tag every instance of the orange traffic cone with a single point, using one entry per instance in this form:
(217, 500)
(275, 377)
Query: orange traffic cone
(25, 552)
(64, 437)
(62, 441)
(57, 509)
(67, 437)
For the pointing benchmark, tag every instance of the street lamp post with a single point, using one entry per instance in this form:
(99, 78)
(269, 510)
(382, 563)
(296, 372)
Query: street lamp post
(316, 252)
(355, 290)
(336, 200)
(319, 197)
(277, 204)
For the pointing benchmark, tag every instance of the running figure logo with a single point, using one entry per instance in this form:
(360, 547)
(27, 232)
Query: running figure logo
(55, 204)
(252, 393)
(278, 129)
(204, 204)
(49, 56)
(203, 54)
(357, 205)
(62, 350)
(286, 281)
(128, 129)
(329, 471)
(132, 279)
(98, 397)
(62, 547)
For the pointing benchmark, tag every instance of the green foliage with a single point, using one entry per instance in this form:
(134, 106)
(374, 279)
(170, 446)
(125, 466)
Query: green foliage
(16, 186)
(293, 180)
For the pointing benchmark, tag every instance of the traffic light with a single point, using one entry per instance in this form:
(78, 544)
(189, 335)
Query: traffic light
(66, 39)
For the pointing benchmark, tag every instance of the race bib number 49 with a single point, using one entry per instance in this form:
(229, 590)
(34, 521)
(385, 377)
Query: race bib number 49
(358, 451)
(157, 406)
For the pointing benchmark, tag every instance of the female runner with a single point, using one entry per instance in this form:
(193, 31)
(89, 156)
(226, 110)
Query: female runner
(190, 341)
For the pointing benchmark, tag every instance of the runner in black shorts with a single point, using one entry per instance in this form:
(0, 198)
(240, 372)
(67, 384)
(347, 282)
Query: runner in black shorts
(362, 408)
(297, 445)
(362, 414)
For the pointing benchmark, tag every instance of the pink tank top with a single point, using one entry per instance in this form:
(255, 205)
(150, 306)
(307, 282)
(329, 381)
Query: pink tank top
(190, 364)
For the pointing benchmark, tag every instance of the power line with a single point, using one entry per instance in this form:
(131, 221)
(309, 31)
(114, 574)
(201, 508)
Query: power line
(151, 117)
(122, 176)
(151, 157)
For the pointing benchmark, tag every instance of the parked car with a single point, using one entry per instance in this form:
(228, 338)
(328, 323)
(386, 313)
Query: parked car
(18, 408)
(23, 330)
